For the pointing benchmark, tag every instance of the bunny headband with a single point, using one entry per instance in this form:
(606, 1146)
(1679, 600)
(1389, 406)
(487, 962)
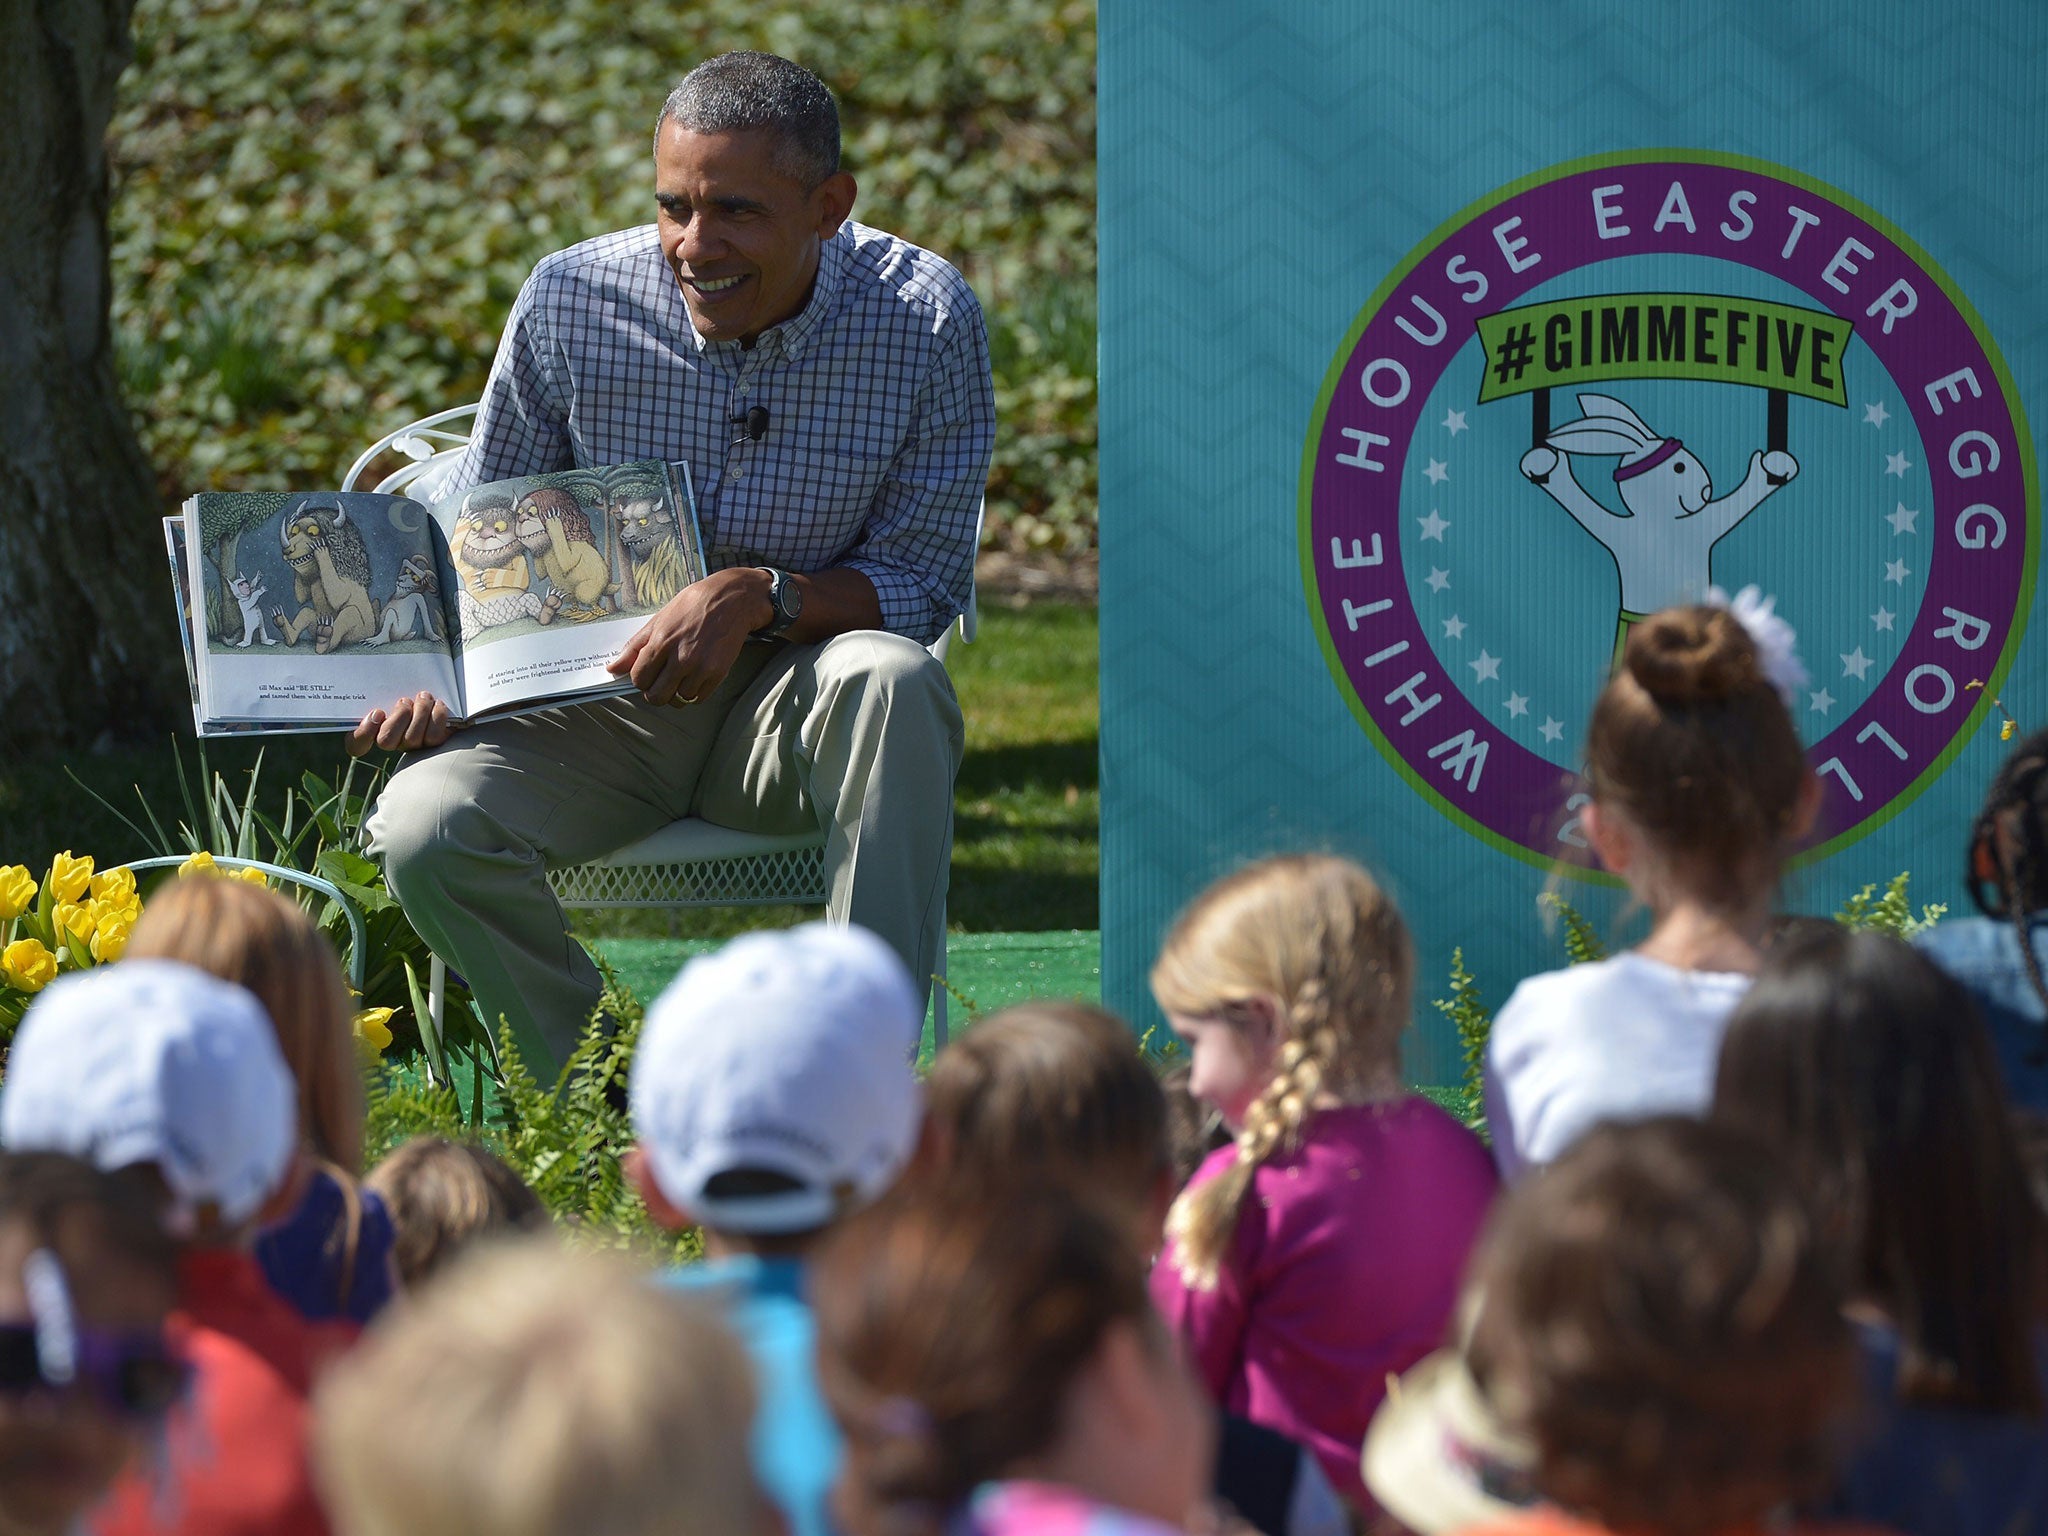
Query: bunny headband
(1650, 461)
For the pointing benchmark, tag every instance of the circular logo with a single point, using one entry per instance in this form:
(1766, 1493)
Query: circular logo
(1615, 385)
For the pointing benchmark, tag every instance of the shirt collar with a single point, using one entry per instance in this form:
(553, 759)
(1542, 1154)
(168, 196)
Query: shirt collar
(793, 334)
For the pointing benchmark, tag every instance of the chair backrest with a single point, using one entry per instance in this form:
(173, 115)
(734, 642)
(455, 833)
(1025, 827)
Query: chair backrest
(433, 445)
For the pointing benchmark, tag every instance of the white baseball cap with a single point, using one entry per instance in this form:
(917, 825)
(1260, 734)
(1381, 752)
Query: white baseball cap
(151, 1061)
(788, 1053)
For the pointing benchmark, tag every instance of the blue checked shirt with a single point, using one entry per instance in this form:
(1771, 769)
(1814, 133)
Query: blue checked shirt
(881, 414)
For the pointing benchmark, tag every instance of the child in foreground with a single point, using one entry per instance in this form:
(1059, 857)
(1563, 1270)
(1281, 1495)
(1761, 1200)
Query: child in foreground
(537, 1391)
(1321, 1251)
(773, 1096)
(1700, 789)
(1863, 1069)
(171, 1079)
(1664, 1328)
(445, 1197)
(997, 1371)
(1999, 956)
(330, 1257)
(1057, 1092)
(86, 1373)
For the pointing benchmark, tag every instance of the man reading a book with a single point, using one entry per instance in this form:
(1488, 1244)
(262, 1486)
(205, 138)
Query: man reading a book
(828, 385)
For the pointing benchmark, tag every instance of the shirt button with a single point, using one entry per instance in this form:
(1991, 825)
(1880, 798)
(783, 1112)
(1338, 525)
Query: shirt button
(740, 390)
(738, 475)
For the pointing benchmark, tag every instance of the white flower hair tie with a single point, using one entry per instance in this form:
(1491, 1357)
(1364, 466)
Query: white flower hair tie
(1777, 643)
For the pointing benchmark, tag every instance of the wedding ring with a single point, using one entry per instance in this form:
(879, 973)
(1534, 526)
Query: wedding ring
(684, 698)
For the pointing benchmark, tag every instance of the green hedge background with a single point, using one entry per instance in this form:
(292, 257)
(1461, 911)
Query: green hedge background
(323, 208)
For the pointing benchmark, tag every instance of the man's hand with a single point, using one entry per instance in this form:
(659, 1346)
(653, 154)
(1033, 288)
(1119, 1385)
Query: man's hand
(685, 651)
(411, 723)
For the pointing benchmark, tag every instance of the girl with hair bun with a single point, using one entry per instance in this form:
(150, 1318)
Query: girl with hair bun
(1699, 790)
(1321, 1250)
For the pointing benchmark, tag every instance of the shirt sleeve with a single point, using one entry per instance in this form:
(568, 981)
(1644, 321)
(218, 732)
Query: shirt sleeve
(521, 426)
(918, 543)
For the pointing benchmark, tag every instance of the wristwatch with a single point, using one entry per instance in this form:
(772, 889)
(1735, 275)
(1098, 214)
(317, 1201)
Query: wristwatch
(787, 600)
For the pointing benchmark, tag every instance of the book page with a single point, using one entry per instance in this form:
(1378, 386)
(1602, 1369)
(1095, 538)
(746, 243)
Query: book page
(555, 572)
(313, 608)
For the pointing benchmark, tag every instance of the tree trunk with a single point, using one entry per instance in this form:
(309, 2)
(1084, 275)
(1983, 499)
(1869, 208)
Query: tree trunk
(87, 644)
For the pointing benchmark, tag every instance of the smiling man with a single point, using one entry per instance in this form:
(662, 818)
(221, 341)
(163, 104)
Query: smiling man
(828, 385)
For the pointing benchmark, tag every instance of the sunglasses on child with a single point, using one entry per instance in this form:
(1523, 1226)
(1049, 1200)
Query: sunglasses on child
(133, 1374)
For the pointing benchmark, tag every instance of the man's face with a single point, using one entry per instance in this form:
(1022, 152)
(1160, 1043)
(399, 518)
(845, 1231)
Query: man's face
(740, 235)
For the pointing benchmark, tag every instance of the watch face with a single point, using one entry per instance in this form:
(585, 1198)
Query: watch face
(789, 599)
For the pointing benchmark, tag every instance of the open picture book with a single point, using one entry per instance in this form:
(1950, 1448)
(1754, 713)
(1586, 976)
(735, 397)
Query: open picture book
(304, 611)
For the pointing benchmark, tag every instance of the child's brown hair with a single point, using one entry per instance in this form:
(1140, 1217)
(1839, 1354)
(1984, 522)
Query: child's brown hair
(1314, 937)
(951, 1328)
(1669, 1330)
(1690, 741)
(1049, 1090)
(443, 1196)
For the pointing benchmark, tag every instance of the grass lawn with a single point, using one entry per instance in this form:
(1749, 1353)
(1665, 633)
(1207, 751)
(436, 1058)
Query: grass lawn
(1025, 814)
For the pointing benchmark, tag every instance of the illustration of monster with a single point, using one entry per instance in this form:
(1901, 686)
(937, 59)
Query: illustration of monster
(654, 558)
(554, 529)
(410, 612)
(330, 578)
(490, 562)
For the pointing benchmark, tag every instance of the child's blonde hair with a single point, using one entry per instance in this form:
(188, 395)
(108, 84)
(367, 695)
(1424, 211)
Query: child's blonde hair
(1315, 936)
(252, 936)
(536, 1390)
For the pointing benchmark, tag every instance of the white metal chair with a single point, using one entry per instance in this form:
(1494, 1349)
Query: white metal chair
(688, 863)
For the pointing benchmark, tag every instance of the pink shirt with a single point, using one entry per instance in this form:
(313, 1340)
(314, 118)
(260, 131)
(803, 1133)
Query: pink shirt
(1345, 1269)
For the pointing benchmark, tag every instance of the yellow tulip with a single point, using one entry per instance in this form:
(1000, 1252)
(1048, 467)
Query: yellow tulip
(73, 919)
(17, 891)
(201, 863)
(110, 937)
(69, 877)
(27, 966)
(373, 1028)
(252, 876)
(116, 887)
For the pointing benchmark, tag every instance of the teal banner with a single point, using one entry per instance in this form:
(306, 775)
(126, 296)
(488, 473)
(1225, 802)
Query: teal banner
(1389, 295)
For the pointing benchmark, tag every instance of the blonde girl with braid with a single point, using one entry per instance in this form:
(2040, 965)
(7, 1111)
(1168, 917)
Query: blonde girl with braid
(1321, 1250)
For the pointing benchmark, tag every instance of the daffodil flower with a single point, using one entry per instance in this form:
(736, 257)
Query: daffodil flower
(27, 965)
(17, 891)
(373, 1029)
(69, 877)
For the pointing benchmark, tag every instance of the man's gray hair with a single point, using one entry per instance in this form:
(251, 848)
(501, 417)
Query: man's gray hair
(738, 92)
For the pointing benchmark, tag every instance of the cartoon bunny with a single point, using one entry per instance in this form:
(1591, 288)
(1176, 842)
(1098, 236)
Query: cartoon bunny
(1662, 544)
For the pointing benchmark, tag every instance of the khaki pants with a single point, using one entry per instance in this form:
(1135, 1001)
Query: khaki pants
(860, 736)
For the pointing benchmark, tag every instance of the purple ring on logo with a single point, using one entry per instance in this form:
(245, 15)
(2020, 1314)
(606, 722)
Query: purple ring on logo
(1845, 258)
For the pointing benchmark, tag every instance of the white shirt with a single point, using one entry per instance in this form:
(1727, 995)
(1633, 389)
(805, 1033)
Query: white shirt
(1619, 1039)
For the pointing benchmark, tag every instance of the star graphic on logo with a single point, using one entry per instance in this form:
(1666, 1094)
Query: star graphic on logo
(1883, 619)
(1454, 423)
(1876, 415)
(1437, 471)
(1820, 702)
(1433, 526)
(1902, 520)
(1438, 579)
(1485, 667)
(1895, 571)
(1896, 464)
(1517, 705)
(1454, 628)
(1855, 664)
(1553, 730)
